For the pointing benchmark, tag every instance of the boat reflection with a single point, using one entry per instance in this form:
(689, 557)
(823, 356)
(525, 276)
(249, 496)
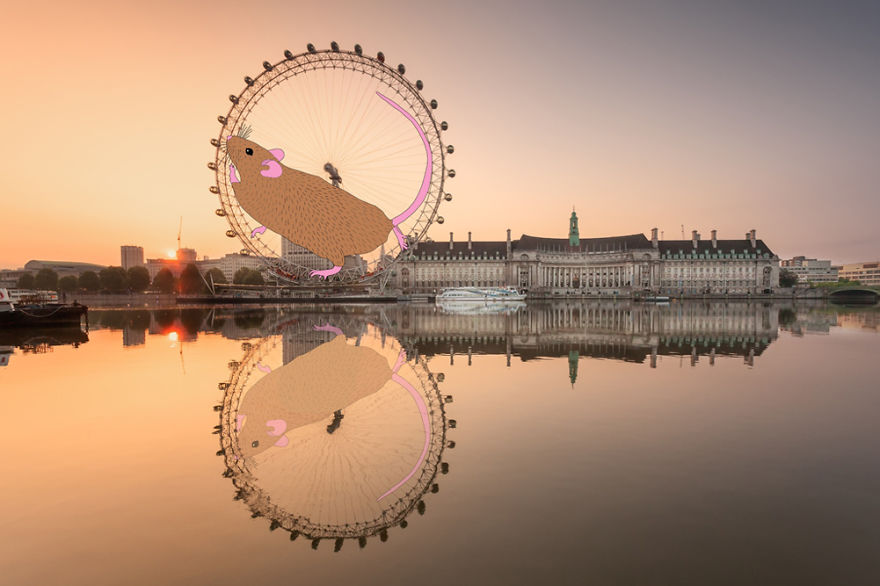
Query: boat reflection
(38, 340)
(330, 430)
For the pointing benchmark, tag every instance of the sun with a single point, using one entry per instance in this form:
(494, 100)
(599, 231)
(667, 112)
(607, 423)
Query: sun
(171, 254)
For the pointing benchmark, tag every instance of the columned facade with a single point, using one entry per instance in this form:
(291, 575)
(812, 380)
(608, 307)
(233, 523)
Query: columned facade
(606, 267)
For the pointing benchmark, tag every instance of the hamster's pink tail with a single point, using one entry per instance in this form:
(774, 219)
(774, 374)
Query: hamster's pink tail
(426, 180)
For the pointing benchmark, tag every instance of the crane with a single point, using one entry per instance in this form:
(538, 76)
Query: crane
(180, 229)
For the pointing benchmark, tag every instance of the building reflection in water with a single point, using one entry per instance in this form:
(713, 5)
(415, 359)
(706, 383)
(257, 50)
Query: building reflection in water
(633, 332)
(330, 430)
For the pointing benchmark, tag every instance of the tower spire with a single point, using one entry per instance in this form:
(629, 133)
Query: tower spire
(574, 238)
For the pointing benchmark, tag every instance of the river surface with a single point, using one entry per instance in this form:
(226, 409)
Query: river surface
(570, 443)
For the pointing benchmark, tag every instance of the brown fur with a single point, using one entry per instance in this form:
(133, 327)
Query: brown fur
(309, 389)
(304, 208)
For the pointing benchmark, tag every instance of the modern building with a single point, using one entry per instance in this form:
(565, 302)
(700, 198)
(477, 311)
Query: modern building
(299, 256)
(187, 255)
(132, 256)
(866, 273)
(811, 270)
(605, 266)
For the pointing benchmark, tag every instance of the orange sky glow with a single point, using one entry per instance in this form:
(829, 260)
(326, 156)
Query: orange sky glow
(639, 117)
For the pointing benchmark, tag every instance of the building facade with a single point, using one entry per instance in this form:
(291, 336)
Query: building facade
(866, 273)
(607, 266)
(811, 270)
(132, 256)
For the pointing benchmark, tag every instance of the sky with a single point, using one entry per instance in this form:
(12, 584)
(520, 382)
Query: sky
(659, 114)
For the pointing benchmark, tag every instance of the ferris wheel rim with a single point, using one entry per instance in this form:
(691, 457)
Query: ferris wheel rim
(262, 504)
(274, 74)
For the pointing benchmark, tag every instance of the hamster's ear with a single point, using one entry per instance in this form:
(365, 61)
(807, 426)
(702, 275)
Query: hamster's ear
(277, 153)
(274, 169)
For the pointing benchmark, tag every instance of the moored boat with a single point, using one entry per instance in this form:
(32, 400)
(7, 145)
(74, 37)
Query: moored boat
(479, 295)
(41, 314)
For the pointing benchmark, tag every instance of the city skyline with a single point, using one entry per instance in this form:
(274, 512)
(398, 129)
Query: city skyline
(749, 116)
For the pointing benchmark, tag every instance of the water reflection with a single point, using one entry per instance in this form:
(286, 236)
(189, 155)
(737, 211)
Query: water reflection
(330, 430)
(38, 341)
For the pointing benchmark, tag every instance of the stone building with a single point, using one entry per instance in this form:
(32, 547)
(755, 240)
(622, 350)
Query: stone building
(605, 266)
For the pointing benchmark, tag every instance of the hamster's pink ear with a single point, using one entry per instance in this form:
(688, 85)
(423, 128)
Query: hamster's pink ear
(274, 169)
(277, 153)
(282, 442)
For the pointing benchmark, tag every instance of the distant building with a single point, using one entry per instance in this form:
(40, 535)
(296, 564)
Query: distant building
(811, 270)
(614, 265)
(187, 255)
(63, 267)
(303, 257)
(132, 256)
(231, 263)
(866, 273)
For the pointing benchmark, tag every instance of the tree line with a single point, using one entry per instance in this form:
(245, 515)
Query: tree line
(135, 279)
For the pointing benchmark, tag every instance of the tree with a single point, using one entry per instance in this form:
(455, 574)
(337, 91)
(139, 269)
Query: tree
(46, 280)
(67, 284)
(239, 276)
(26, 281)
(114, 279)
(217, 275)
(191, 280)
(89, 281)
(787, 278)
(254, 278)
(164, 281)
(138, 278)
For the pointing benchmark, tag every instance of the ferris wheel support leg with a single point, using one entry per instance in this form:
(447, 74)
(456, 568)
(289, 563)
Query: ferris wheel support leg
(326, 273)
(401, 239)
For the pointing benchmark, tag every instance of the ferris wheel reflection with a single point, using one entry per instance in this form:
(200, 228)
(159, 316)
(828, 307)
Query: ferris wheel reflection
(331, 430)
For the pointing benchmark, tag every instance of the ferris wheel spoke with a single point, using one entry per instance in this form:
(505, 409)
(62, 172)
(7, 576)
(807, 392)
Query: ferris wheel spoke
(322, 107)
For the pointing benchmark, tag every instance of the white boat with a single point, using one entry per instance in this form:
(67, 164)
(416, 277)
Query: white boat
(480, 295)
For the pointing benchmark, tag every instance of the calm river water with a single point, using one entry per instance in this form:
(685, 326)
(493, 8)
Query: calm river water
(582, 443)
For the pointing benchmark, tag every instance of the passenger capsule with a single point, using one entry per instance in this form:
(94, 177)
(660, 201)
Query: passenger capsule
(433, 104)
(448, 197)
(419, 85)
(440, 219)
(450, 149)
(244, 252)
(212, 166)
(267, 66)
(358, 50)
(452, 172)
(215, 142)
(310, 48)
(221, 119)
(401, 69)
(214, 189)
(444, 125)
(220, 212)
(334, 46)
(380, 56)
(249, 80)
(230, 233)
(288, 55)
(233, 99)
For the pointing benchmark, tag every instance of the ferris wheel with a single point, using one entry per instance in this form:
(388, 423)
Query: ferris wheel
(353, 130)
(324, 461)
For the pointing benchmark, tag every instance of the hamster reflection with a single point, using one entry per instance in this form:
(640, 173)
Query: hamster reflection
(341, 441)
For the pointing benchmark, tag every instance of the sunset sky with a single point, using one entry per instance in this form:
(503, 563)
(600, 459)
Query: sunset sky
(760, 115)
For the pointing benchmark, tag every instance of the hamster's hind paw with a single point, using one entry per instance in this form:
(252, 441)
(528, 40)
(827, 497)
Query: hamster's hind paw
(401, 239)
(259, 230)
(325, 273)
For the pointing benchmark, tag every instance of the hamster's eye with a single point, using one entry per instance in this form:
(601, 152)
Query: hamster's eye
(255, 444)
(249, 151)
